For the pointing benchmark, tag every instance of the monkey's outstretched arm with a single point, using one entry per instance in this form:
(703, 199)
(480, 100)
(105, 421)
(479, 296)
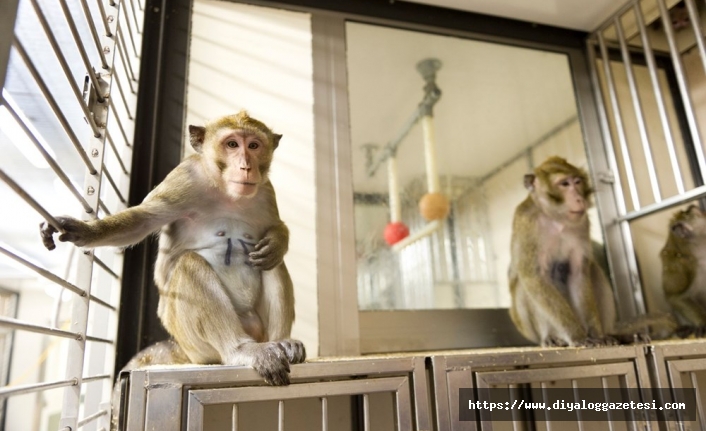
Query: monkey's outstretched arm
(131, 225)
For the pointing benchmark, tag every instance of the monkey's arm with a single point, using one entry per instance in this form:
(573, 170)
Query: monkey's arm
(163, 205)
(676, 280)
(270, 250)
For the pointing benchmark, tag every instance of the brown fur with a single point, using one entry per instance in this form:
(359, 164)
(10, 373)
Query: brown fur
(560, 295)
(225, 293)
(683, 273)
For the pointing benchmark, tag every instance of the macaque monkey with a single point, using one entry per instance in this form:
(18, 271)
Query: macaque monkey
(560, 295)
(225, 294)
(684, 269)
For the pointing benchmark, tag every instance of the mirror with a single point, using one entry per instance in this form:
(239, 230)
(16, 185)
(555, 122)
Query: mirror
(501, 110)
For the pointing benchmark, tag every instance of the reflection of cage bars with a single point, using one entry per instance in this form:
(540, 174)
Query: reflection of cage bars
(625, 38)
(109, 57)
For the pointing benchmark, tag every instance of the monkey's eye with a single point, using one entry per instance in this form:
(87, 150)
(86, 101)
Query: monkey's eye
(253, 145)
(565, 183)
(232, 144)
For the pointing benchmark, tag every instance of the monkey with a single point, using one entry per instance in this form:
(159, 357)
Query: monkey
(225, 296)
(560, 294)
(684, 270)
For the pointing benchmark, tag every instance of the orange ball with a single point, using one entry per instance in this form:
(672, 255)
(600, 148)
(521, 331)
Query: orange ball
(434, 206)
(395, 232)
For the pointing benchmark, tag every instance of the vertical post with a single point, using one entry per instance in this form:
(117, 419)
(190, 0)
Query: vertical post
(338, 296)
(8, 14)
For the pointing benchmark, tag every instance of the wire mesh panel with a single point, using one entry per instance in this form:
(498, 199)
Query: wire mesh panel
(182, 398)
(525, 377)
(67, 122)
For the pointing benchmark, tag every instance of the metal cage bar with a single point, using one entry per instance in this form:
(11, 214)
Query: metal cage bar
(82, 29)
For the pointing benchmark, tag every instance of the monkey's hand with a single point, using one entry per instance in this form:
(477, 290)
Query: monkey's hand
(268, 359)
(294, 349)
(73, 230)
(270, 251)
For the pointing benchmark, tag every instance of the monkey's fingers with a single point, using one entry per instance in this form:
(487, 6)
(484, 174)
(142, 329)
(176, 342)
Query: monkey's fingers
(46, 232)
(265, 258)
(264, 242)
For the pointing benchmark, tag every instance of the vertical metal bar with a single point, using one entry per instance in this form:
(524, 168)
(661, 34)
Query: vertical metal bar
(639, 114)
(123, 52)
(577, 397)
(122, 96)
(280, 416)
(683, 88)
(696, 25)
(234, 418)
(620, 129)
(104, 19)
(659, 98)
(8, 14)
(604, 384)
(699, 405)
(547, 417)
(128, 69)
(134, 16)
(324, 414)
(624, 226)
(131, 34)
(366, 412)
(119, 122)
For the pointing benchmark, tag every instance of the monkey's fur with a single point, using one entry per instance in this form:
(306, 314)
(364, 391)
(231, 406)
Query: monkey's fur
(560, 295)
(684, 269)
(225, 294)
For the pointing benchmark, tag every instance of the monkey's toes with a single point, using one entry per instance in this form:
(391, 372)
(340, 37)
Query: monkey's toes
(554, 342)
(272, 364)
(294, 349)
(602, 341)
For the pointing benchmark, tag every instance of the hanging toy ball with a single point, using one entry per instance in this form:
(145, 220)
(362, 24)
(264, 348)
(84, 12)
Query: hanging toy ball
(434, 206)
(395, 232)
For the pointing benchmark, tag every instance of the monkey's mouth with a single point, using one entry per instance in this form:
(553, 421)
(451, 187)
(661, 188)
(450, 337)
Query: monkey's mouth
(244, 183)
(578, 213)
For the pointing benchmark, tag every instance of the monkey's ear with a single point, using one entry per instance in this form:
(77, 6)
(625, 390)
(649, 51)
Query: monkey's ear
(275, 140)
(529, 181)
(196, 137)
(681, 229)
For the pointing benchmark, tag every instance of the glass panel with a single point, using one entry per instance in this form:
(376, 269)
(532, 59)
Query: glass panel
(502, 110)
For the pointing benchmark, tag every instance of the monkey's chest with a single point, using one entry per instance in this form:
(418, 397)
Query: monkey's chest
(225, 243)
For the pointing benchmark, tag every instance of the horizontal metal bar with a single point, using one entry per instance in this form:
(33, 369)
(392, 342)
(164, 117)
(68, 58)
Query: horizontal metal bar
(104, 19)
(109, 138)
(123, 97)
(693, 194)
(91, 418)
(94, 33)
(122, 52)
(131, 34)
(78, 43)
(119, 121)
(105, 267)
(31, 327)
(90, 379)
(29, 199)
(103, 207)
(58, 112)
(8, 391)
(113, 185)
(607, 23)
(98, 339)
(49, 159)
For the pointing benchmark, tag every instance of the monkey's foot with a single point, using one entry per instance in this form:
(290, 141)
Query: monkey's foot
(602, 341)
(686, 331)
(268, 359)
(552, 341)
(296, 353)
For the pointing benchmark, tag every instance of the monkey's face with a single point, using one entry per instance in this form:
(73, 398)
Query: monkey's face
(688, 223)
(242, 159)
(565, 197)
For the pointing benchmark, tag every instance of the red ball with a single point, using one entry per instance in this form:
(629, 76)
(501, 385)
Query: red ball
(395, 232)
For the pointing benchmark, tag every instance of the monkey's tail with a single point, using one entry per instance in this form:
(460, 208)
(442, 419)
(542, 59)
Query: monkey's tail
(166, 352)
(654, 323)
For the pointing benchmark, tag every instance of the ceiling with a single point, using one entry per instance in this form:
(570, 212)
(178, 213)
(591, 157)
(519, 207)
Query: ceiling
(573, 14)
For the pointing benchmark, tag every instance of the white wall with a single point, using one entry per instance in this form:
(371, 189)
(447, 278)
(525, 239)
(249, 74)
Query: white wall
(259, 59)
